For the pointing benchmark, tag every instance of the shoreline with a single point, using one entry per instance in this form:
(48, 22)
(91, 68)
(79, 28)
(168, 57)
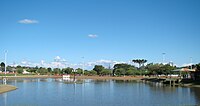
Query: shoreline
(78, 77)
(110, 77)
(31, 76)
(136, 78)
(7, 88)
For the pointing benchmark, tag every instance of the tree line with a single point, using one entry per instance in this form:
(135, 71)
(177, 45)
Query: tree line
(121, 69)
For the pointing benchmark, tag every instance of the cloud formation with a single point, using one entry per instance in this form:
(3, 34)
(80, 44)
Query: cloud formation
(59, 62)
(186, 64)
(92, 36)
(28, 21)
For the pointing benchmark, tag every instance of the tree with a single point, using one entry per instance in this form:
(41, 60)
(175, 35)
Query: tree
(166, 69)
(123, 69)
(153, 68)
(32, 70)
(119, 71)
(49, 69)
(197, 72)
(98, 69)
(159, 68)
(105, 72)
(56, 71)
(42, 71)
(67, 70)
(92, 72)
(140, 61)
(197, 67)
(9, 68)
(130, 72)
(2, 64)
(19, 70)
(79, 71)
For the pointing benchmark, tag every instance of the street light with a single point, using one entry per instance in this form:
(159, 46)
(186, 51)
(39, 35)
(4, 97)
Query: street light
(191, 62)
(4, 79)
(83, 64)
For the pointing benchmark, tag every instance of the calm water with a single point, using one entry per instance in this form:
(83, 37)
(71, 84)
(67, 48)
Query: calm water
(52, 92)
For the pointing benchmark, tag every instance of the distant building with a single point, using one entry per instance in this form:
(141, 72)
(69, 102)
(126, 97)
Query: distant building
(189, 75)
(184, 70)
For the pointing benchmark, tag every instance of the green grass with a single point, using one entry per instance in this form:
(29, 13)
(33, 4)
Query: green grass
(7, 74)
(16, 74)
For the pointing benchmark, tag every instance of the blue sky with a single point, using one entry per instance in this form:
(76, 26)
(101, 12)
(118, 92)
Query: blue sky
(116, 30)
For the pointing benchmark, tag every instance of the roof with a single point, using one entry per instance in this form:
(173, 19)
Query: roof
(184, 70)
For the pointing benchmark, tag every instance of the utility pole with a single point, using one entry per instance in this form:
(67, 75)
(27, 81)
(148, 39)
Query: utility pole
(83, 64)
(191, 63)
(110, 69)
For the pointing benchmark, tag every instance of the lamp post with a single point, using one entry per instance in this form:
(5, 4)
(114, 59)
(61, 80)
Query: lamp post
(83, 64)
(4, 79)
(191, 63)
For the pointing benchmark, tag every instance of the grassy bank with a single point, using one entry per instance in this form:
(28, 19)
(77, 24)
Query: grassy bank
(6, 88)
(31, 76)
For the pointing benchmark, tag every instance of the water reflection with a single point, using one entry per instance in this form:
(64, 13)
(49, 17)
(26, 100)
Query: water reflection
(196, 93)
(97, 92)
(98, 81)
(5, 99)
(125, 81)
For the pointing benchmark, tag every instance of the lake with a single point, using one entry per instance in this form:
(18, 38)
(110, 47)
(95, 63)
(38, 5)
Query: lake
(55, 92)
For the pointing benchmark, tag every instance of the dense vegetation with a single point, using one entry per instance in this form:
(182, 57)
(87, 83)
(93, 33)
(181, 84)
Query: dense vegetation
(118, 69)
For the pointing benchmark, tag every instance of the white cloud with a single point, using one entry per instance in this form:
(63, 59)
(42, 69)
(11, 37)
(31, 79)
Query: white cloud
(63, 60)
(42, 62)
(59, 62)
(92, 36)
(105, 63)
(57, 58)
(186, 64)
(28, 21)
